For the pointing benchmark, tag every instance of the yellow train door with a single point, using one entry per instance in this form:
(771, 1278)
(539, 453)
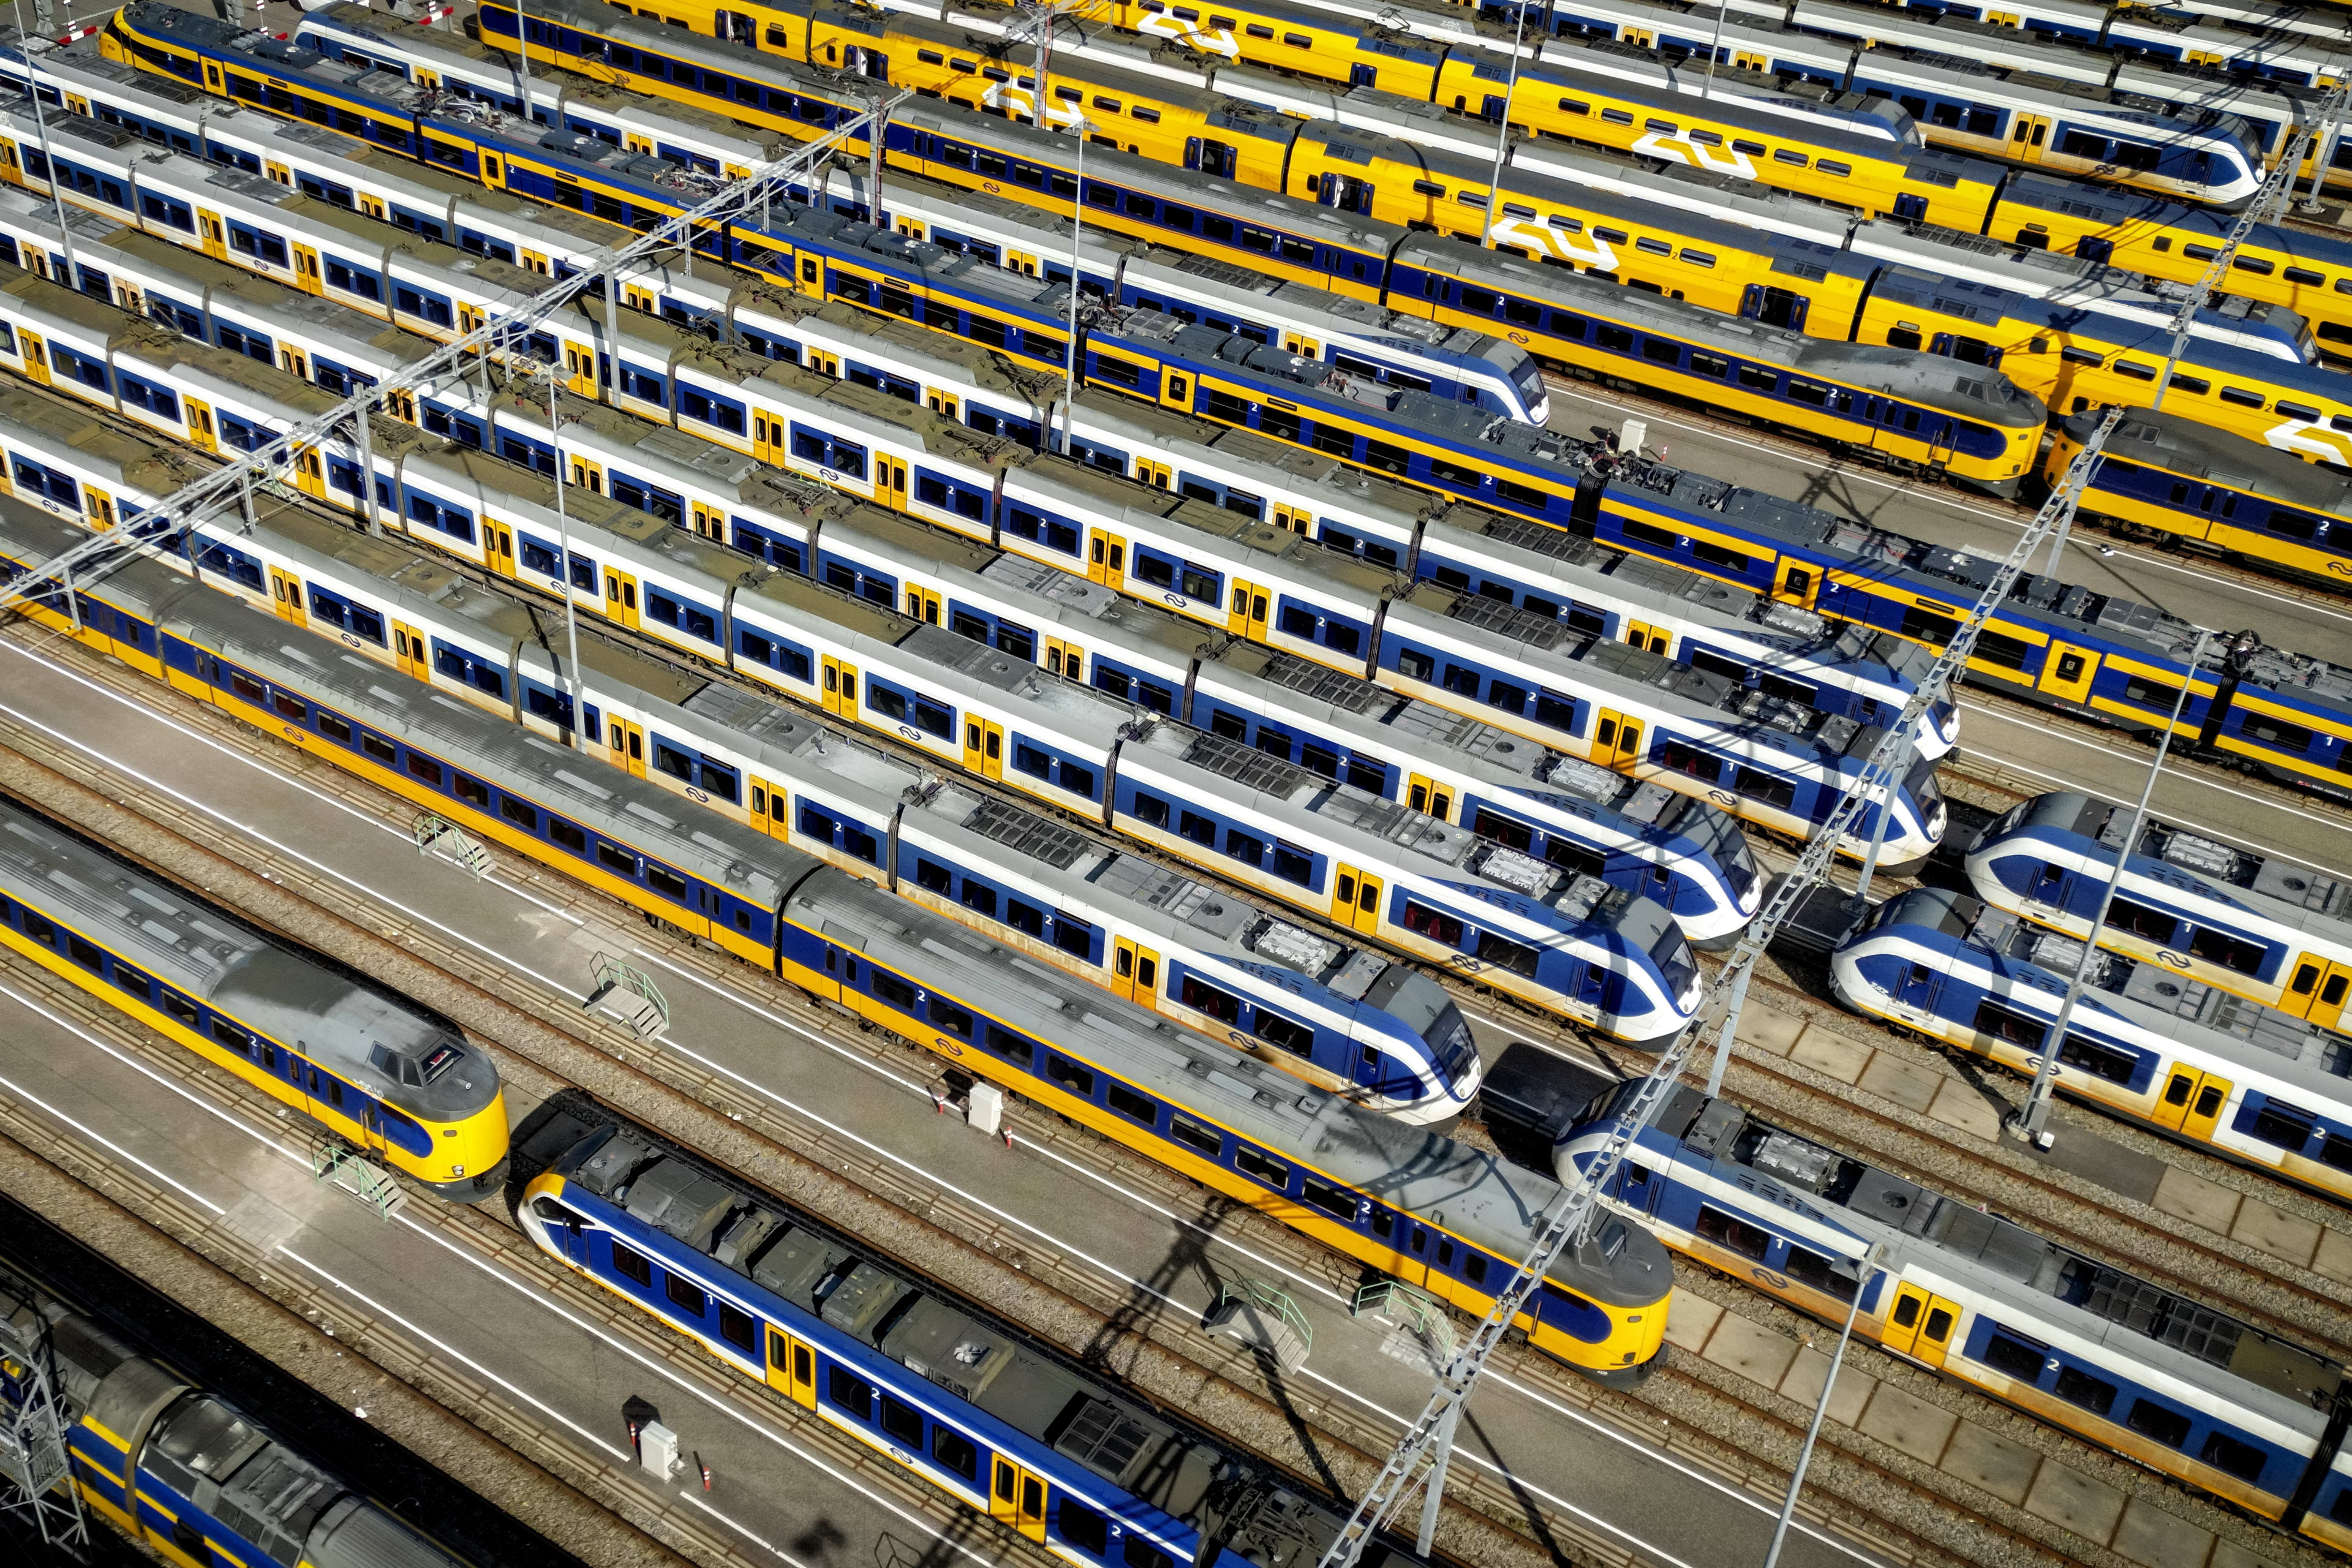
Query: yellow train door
(1356, 899)
(1138, 969)
(1016, 1498)
(2067, 671)
(580, 369)
(1155, 474)
(1642, 635)
(629, 743)
(1294, 520)
(1616, 740)
(923, 605)
(498, 547)
(890, 483)
(1921, 1325)
(215, 236)
(200, 426)
(791, 1368)
(1106, 559)
(1424, 794)
(621, 598)
(2319, 991)
(1066, 659)
(589, 477)
(12, 168)
(709, 523)
(941, 404)
(841, 689)
(35, 353)
(307, 276)
(767, 440)
(310, 475)
(2192, 1102)
(1245, 610)
(2028, 135)
(983, 748)
(408, 651)
(288, 592)
(823, 363)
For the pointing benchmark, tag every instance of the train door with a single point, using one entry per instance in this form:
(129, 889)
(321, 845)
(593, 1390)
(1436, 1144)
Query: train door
(791, 1368)
(294, 362)
(1017, 1498)
(984, 747)
(767, 440)
(1640, 633)
(1245, 613)
(1356, 899)
(307, 275)
(2028, 136)
(1139, 974)
(580, 371)
(1158, 475)
(1425, 794)
(589, 477)
(200, 425)
(942, 404)
(890, 483)
(498, 547)
(629, 743)
(310, 474)
(923, 605)
(408, 651)
(1921, 1325)
(621, 598)
(2066, 672)
(2319, 992)
(1066, 659)
(2192, 1102)
(823, 363)
(1294, 519)
(709, 523)
(1106, 559)
(36, 356)
(214, 235)
(288, 592)
(841, 689)
(1302, 345)
(1616, 740)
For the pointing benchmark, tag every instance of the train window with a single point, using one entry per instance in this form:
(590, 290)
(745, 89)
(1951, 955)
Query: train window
(1079, 1080)
(2233, 1457)
(1196, 1135)
(1438, 927)
(1505, 954)
(424, 768)
(334, 729)
(2243, 397)
(954, 1450)
(1617, 116)
(894, 991)
(1250, 1163)
(2149, 1419)
(2304, 276)
(2259, 265)
(182, 1010)
(1689, 760)
(2302, 411)
(1783, 156)
(666, 882)
(686, 1295)
(2231, 952)
(129, 979)
(736, 1326)
(903, 1422)
(1202, 997)
(2098, 1060)
(1734, 1234)
(2135, 370)
(2196, 385)
(1298, 41)
(1820, 1273)
(616, 859)
(2140, 920)
(229, 1034)
(1138, 1553)
(379, 747)
(572, 838)
(1084, 1528)
(1767, 789)
(471, 791)
(2336, 1150)
(1829, 166)
(950, 1018)
(86, 954)
(2276, 732)
(2282, 1125)
(1129, 1103)
(849, 1392)
(631, 1264)
(2075, 1386)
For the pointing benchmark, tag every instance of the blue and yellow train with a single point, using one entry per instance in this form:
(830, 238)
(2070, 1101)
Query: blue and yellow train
(1441, 1217)
(375, 1069)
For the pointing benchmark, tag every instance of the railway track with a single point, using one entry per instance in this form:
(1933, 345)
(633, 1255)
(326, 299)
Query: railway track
(1909, 1514)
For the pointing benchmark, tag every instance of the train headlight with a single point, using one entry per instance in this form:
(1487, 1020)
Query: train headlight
(456, 1169)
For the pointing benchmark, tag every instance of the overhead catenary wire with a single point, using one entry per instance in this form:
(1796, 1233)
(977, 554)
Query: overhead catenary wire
(132, 534)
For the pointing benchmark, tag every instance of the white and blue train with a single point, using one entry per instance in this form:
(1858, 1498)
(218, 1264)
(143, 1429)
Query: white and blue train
(2251, 1082)
(2255, 925)
(2122, 1361)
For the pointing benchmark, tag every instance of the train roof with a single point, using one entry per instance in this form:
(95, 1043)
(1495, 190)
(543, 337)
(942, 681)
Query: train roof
(1947, 385)
(2184, 447)
(1448, 1185)
(2007, 1261)
(123, 461)
(2287, 891)
(363, 1034)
